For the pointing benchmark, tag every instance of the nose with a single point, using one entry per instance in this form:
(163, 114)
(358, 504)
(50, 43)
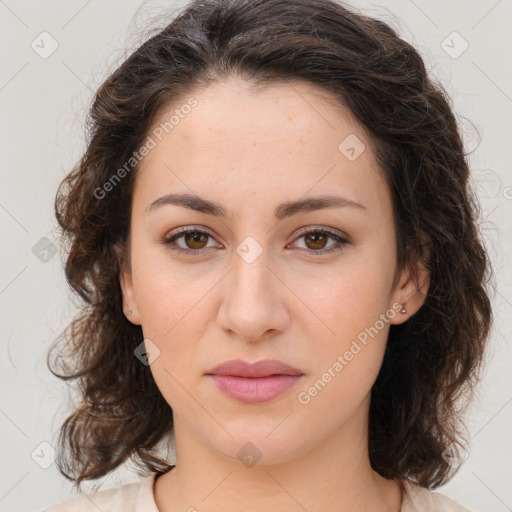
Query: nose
(253, 305)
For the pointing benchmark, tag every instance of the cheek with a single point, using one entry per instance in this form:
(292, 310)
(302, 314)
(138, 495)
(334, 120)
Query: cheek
(347, 359)
(350, 297)
(175, 309)
(171, 311)
(165, 292)
(353, 306)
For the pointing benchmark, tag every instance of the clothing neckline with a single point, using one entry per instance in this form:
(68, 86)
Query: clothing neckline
(410, 493)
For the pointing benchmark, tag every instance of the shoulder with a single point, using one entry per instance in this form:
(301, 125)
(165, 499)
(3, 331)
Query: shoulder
(419, 499)
(133, 497)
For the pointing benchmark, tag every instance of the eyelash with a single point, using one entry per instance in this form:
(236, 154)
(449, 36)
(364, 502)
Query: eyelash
(184, 231)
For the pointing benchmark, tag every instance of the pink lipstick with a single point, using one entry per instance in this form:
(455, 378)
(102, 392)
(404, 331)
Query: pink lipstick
(255, 383)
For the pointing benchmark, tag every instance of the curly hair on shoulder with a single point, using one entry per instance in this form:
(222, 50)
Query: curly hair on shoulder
(432, 360)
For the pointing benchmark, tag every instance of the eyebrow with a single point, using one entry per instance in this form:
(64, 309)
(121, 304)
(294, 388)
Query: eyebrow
(287, 209)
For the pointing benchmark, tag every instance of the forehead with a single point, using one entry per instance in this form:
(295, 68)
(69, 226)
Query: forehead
(222, 108)
(286, 138)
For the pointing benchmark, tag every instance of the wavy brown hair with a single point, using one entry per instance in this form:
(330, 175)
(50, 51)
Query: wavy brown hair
(432, 361)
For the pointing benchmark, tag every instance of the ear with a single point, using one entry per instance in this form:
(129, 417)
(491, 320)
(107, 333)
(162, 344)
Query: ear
(125, 280)
(411, 290)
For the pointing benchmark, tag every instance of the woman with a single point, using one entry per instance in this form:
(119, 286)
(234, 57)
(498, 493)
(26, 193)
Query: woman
(277, 248)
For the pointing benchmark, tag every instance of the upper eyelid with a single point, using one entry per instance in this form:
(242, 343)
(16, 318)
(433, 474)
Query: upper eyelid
(301, 232)
(330, 231)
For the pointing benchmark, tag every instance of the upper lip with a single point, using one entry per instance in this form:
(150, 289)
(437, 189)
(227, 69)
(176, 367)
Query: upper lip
(263, 368)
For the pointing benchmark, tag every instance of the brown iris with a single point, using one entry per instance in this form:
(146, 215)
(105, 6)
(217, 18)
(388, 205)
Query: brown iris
(194, 237)
(318, 238)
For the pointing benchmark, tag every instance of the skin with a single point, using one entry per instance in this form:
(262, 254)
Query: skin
(251, 151)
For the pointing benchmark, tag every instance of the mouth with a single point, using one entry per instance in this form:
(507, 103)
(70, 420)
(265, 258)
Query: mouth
(255, 383)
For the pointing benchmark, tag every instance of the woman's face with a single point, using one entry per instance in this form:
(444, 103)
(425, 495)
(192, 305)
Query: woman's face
(262, 278)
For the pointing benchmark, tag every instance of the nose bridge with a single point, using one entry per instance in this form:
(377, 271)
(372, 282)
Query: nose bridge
(251, 304)
(250, 275)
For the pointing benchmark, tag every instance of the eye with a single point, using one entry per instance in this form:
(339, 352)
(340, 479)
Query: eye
(316, 239)
(196, 240)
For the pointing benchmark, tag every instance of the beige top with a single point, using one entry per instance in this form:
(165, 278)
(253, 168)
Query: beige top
(138, 497)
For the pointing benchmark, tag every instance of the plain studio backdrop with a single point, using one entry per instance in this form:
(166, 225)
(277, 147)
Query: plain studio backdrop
(54, 56)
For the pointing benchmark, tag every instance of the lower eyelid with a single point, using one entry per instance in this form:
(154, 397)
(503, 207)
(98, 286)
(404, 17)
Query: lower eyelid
(168, 240)
(338, 245)
(339, 240)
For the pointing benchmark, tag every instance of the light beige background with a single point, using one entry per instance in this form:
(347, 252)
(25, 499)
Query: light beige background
(43, 104)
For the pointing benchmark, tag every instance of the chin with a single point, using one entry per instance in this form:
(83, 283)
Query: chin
(267, 441)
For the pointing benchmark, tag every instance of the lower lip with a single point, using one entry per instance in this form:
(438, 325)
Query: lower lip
(253, 390)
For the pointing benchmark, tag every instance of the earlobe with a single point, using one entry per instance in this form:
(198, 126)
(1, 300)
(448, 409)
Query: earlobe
(411, 292)
(129, 303)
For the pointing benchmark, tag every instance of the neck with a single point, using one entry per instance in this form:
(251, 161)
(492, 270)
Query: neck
(335, 475)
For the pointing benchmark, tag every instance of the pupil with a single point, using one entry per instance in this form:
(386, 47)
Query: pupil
(316, 237)
(196, 237)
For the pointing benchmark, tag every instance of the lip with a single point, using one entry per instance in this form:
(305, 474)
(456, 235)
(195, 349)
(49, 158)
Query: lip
(263, 368)
(255, 383)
